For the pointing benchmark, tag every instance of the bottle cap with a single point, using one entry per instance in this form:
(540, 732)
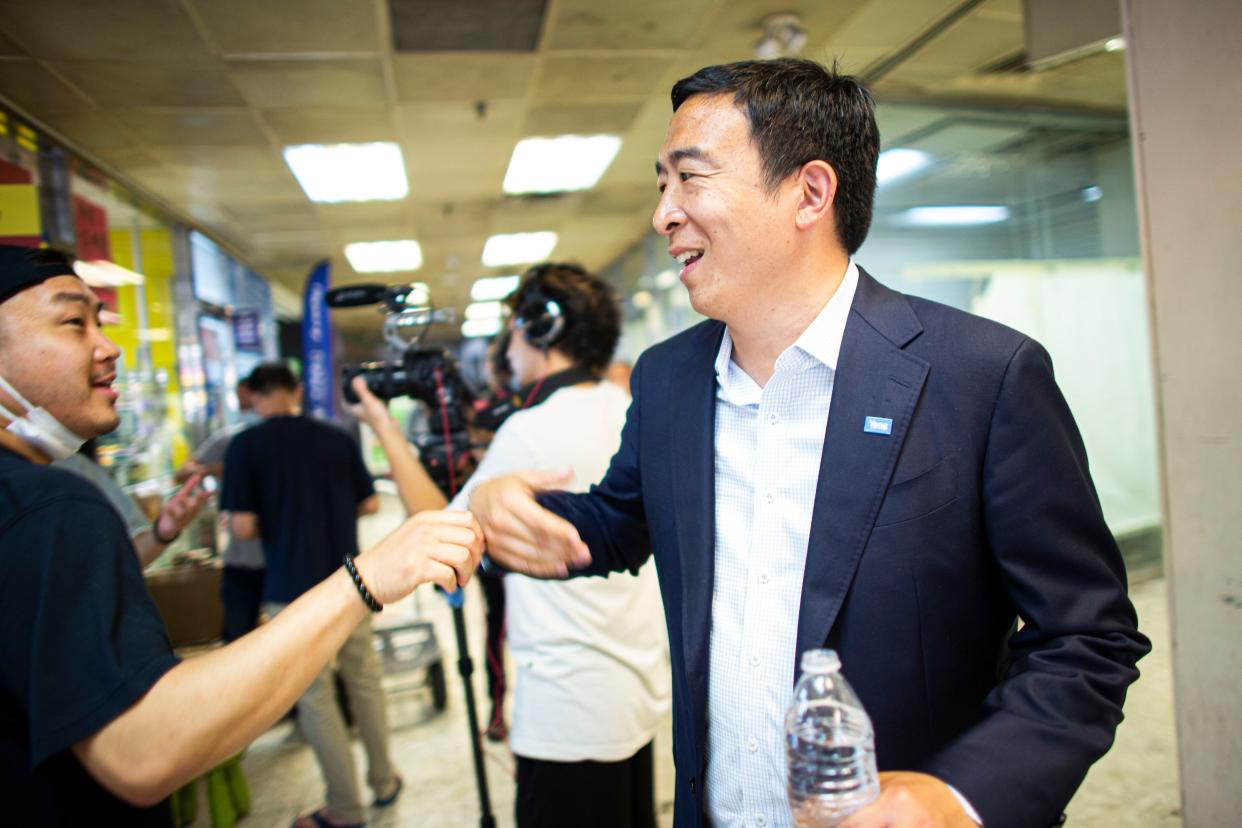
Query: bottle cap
(820, 661)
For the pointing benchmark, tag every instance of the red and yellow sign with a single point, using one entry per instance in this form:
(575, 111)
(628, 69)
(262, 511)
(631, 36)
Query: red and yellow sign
(19, 206)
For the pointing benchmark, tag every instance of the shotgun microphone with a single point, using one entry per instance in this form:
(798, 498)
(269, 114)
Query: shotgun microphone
(354, 296)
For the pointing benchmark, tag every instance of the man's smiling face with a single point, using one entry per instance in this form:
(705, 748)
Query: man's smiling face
(53, 351)
(724, 225)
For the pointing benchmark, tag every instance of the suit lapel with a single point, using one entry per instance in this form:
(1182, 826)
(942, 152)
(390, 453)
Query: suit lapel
(692, 403)
(874, 378)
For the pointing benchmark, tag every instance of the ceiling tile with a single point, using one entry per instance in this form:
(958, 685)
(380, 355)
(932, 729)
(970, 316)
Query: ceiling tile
(568, 118)
(275, 217)
(135, 84)
(969, 45)
(128, 160)
(91, 132)
(444, 154)
(441, 221)
(477, 26)
(364, 214)
(466, 77)
(290, 26)
(192, 126)
(331, 125)
(240, 159)
(309, 83)
(439, 188)
(37, 90)
(517, 214)
(637, 24)
(434, 119)
(578, 78)
(10, 49)
(73, 30)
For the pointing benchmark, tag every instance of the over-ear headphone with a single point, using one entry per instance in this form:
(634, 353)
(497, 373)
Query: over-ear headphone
(540, 319)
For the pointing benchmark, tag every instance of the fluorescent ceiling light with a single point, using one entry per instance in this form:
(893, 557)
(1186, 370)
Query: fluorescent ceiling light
(384, 256)
(480, 327)
(561, 164)
(898, 163)
(953, 216)
(1092, 193)
(666, 279)
(1114, 44)
(105, 274)
(418, 295)
(485, 310)
(518, 248)
(642, 299)
(494, 287)
(333, 173)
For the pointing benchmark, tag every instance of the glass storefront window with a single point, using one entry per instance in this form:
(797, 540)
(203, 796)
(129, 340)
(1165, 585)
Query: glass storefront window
(1030, 219)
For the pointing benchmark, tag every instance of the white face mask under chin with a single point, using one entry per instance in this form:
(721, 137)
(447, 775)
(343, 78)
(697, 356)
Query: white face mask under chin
(39, 428)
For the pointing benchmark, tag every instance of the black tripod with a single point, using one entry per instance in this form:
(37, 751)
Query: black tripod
(465, 666)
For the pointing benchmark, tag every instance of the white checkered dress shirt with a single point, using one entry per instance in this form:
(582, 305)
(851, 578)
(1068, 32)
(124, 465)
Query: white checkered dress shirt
(768, 446)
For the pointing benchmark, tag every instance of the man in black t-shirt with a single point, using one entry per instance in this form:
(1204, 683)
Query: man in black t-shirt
(99, 721)
(300, 485)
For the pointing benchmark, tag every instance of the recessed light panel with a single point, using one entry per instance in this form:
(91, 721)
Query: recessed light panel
(518, 248)
(333, 173)
(384, 256)
(560, 164)
(494, 287)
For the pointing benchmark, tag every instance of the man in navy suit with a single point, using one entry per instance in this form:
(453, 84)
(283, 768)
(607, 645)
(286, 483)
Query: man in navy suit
(826, 462)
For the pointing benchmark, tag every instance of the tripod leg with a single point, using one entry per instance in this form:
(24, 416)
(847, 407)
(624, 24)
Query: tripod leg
(465, 666)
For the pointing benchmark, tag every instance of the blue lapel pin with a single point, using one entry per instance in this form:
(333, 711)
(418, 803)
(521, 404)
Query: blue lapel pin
(878, 425)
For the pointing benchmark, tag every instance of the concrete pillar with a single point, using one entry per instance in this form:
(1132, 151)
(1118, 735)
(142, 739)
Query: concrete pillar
(1183, 63)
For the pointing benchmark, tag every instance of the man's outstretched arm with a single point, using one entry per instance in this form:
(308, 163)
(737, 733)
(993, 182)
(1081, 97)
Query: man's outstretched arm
(206, 709)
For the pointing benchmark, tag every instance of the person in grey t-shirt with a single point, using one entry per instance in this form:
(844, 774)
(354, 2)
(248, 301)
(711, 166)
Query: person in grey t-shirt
(241, 582)
(150, 539)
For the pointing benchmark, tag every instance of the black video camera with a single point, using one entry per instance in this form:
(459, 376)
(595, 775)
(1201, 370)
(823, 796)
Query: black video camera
(429, 375)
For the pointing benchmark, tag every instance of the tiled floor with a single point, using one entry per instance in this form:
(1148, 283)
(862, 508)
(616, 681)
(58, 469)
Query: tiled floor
(1134, 785)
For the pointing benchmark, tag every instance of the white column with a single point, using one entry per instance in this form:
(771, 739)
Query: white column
(1184, 61)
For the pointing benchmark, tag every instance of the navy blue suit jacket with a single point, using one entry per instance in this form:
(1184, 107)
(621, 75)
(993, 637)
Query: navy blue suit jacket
(926, 548)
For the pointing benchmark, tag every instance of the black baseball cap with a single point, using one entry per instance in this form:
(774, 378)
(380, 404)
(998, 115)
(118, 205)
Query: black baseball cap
(23, 267)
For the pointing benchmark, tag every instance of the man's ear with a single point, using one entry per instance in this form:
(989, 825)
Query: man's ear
(817, 184)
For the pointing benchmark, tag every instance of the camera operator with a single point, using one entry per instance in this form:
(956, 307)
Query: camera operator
(99, 721)
(592, 660)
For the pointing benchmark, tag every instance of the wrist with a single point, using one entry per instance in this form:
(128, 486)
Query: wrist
(360, 585)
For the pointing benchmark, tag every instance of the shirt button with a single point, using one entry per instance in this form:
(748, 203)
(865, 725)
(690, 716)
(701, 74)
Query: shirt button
(774, 418)
(763, 577)
(754, 661)
(752, 744)
(770, 498)
(761, 820)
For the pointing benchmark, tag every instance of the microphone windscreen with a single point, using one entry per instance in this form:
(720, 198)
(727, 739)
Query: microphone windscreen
(352, 296)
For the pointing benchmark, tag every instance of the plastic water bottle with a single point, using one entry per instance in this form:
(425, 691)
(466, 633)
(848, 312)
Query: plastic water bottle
(829, 744)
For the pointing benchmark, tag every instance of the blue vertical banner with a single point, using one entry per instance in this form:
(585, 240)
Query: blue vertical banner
(317, 371)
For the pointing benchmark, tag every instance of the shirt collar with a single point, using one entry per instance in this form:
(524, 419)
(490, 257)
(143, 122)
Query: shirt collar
(820, 340)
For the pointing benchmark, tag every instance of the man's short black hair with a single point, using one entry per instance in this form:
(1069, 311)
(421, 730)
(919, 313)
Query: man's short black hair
(271, 376)
(589, 305)
(800, 111)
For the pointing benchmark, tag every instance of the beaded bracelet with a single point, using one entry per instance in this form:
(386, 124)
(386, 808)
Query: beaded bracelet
(367, 598)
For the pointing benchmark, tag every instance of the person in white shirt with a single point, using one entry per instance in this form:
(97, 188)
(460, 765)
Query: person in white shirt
(593, 681)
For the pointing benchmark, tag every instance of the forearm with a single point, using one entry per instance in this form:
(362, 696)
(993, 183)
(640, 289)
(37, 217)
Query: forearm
(208, 708)
(414, 485)
(147, 547)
